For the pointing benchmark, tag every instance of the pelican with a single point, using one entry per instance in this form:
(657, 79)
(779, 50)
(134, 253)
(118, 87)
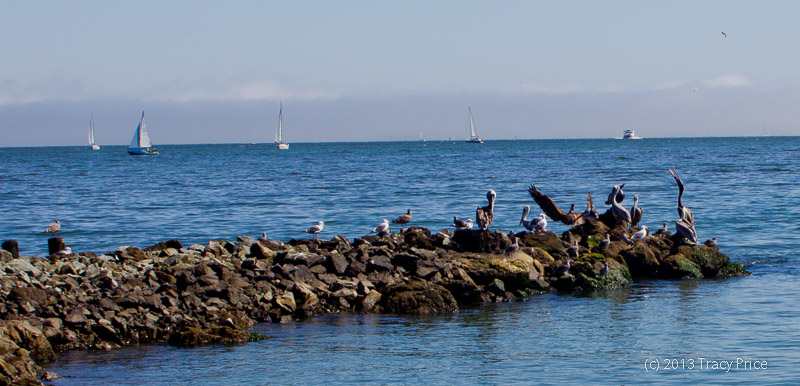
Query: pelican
(661, 230)
(562, 269)
(462, 224)
(513, 247)
(620, 194)
(53, 228)
(683, 212)
(314, 230)
(403, 220)
(552, 210)
(590, 212)
(618, 209)
(382, 228)
(636, 212)
(641, 234)
(573, 249)
(485, 215)
(524, 222)
(686, 230)
(604, 243)
(710, 242)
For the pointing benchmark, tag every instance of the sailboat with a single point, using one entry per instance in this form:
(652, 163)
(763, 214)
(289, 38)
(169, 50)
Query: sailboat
(282, 145)
(473, 135)
(92, 144)
(140, 144)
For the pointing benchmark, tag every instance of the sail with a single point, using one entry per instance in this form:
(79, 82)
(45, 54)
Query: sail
(91, 131)
(280, 121)
(140, 137)
(472, 132)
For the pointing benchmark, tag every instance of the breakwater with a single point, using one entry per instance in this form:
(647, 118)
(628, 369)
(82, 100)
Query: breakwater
(202, 294)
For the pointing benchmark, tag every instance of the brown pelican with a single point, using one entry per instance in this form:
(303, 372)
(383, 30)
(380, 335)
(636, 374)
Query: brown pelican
(524, 222)
(683, 212)
(661, 230)
(604, 243)
(620, 195)
(552, 210)
(710, 242)
(562, 269)
(314, 230)
(382, 228)
(462, 224)
(573, 249)
(53, 228)
(538, 223)
(636, 212)
(641, 234)
(621, 213)
(403, 220)
(590, 212)
(513, 247)
(485, 215)
(686, 230)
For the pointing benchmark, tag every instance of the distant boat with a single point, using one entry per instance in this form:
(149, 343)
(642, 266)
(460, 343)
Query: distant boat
(473, 135)
(92, 144)
(140, 144)
(629, 134)
(282, 145)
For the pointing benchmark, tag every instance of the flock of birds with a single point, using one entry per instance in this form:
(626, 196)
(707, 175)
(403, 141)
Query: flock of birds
(684, 226)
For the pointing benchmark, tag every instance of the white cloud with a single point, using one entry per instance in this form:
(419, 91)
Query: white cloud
(255, 90)
(728, 81)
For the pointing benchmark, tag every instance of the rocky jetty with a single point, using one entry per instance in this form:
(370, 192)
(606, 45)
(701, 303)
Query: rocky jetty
(202, 294)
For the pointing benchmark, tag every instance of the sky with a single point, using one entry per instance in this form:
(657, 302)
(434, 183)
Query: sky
(216, 72)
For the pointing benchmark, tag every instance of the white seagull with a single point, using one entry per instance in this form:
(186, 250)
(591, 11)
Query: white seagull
(53, 228)
(462, 223)
(641, 234)
(314, 230)
(382, 228)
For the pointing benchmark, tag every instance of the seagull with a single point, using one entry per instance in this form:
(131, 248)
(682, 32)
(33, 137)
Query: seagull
(641, 234)
(403, 220)
(485, 215)
(604, 270)
(562, 269)
(626, 239)
(314, 230)
(64, 252)
(618, 209)
(513, 247)
(462, 224)
(710, 242)
(605, 242)
(382, 228)
(636, 212)
(53, 228)
(263, 236)
(620, 194)
(724, 34)
(540, 224)
(661, 230)
(573, 249)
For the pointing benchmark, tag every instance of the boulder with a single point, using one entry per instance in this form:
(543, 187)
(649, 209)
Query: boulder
(418, 297)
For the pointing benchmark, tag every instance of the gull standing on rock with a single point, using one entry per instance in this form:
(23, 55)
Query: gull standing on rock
(663, 229)
(573, 249)
(462, 224)
(382, 229)
(513, 247)
(562, 269)
(636, 212)
(403, 220)
(53, 228)
(314, 230)
(710, 242)
(605, 242)
(485, 215)
(641, 234)
(540, 224)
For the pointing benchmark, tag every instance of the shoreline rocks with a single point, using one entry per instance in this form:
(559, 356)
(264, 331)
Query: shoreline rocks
(204, 294)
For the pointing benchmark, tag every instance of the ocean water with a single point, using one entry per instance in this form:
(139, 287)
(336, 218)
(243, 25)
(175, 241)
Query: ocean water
(744, 191)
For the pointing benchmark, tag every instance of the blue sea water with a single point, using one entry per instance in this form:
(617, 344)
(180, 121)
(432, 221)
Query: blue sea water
(744, 191)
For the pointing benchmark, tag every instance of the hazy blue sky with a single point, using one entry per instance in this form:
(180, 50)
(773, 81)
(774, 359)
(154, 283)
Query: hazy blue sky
(209, 71)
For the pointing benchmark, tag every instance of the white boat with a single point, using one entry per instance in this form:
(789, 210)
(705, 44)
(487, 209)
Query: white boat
(629, 134)
(92, 144)
(140, 144)
(473, 135)
(279, 142)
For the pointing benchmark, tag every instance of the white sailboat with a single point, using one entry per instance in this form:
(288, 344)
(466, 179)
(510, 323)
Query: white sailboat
(92, 144)
(473, 135)
(140, 144)
(282, 145)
